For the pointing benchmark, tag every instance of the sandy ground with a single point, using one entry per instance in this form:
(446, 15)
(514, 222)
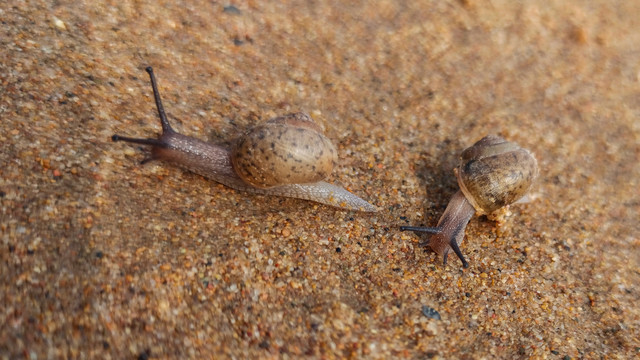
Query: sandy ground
(101, 257)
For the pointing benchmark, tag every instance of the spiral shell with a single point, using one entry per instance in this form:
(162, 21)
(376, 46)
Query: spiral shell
(494, 173)
(290, 149)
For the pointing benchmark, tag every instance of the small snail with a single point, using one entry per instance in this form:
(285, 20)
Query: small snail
(286, 156)
(492, 173)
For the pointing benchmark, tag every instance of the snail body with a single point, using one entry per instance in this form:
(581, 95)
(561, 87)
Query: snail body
(492, 173)
(286, 156)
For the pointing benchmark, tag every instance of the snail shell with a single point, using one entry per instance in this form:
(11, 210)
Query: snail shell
(290, 149)
(494, 173)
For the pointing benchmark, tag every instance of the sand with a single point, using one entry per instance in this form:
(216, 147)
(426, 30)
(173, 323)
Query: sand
(102, 257)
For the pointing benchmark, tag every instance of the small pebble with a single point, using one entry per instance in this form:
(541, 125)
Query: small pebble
(430, 312)
(230, 9)
(59, 23)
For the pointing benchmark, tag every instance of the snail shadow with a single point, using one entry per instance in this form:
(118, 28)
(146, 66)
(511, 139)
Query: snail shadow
(436, 175)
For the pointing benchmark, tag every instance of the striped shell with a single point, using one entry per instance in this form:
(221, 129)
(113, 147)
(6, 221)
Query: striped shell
(495, 172)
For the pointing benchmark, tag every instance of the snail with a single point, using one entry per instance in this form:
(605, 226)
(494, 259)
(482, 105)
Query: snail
(492, 173)
(286, 156)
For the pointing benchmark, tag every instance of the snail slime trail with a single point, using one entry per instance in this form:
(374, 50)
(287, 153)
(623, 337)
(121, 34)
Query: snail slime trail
(285, 156)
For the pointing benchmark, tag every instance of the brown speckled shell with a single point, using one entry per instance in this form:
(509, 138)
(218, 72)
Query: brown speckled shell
(495, 172)
(290, 149)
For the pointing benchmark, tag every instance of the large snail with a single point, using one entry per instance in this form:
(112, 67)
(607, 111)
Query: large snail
(492, 173)
(286, 156)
